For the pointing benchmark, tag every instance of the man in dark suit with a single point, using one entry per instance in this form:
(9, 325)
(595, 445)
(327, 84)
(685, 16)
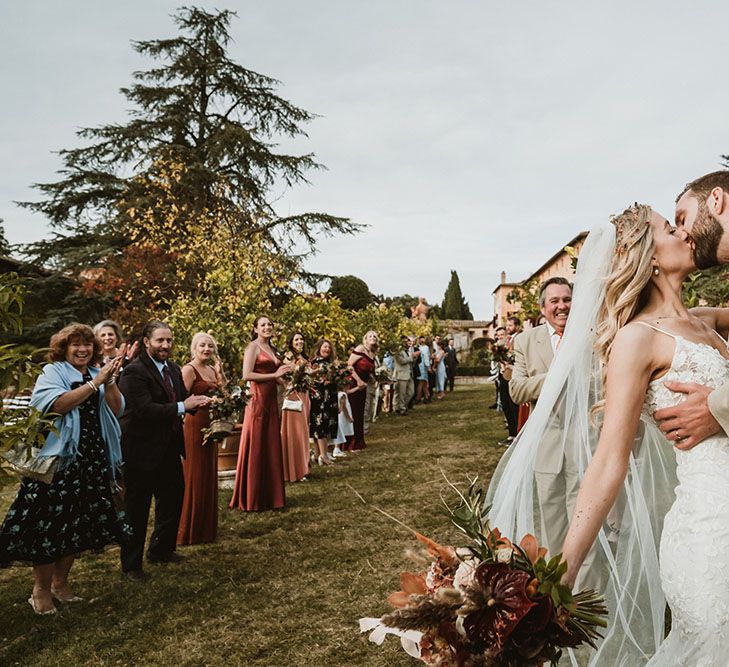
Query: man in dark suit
(451, 364)
(152, 444)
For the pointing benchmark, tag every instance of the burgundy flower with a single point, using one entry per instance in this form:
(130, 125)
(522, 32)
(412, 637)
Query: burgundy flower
(532, 633)
(506, 603)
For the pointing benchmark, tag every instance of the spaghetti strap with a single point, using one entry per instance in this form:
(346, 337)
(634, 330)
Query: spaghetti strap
(721, 338)
(663, 331)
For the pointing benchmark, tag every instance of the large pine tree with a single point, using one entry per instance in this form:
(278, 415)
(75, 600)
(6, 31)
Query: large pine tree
(197, 109)
(454, 306)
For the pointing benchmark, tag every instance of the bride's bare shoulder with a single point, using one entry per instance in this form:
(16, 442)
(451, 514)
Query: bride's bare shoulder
(635, 332)
(641, 348)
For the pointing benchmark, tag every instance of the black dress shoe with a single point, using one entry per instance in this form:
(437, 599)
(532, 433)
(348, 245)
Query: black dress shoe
(135, 575)
(172, 557)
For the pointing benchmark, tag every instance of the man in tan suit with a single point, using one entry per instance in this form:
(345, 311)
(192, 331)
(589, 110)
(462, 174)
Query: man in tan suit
(556, 473)
(702, 209)
(403, 374)
(534, 349)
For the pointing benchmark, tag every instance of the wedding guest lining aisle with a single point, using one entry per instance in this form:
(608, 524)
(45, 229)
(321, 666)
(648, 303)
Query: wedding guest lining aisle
(259, 476)
(199, 518)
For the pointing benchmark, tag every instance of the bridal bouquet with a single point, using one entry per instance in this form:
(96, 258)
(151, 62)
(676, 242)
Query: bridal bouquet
(492, 603)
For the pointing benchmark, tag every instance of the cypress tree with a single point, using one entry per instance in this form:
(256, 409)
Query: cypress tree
(454, 305)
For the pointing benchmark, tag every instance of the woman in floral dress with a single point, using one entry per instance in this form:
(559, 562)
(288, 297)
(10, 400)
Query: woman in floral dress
(48, 525)
(324, 416)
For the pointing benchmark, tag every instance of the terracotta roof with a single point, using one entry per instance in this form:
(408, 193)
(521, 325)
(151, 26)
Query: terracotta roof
(512, 285)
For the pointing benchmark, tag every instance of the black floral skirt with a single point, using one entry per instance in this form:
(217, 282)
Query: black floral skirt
(74, 513)
(324, 411)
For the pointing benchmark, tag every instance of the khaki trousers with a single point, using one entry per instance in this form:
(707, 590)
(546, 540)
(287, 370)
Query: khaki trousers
(557, 494)
(404, 390)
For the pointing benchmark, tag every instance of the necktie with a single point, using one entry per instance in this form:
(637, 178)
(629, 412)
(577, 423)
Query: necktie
(559, 339)
(167, 379)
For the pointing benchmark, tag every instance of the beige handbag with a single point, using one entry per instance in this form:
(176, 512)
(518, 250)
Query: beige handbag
(26, 461)
(294, 405)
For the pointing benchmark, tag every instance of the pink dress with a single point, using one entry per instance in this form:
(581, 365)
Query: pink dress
(259, 476)
(295, 438)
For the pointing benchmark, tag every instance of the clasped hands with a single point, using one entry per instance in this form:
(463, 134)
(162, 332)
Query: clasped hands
(109, 372)
(691, 421)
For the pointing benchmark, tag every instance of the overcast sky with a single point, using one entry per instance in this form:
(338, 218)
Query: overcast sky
(476, 136)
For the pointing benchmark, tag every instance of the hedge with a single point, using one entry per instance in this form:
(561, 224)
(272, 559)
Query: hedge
(473, 371)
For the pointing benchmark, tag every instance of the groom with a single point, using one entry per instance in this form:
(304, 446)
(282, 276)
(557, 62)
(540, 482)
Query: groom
(702, 209)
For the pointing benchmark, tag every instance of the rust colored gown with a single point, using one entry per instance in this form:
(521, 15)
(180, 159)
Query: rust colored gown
(295, 439)
(259, 476)
(199, 518)
(364, 367)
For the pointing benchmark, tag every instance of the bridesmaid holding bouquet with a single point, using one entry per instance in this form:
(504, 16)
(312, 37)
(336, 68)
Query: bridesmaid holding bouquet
(259, 476)
(202, 375)
(295, 417)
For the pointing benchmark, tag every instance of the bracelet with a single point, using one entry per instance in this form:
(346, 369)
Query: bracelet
(93, 386)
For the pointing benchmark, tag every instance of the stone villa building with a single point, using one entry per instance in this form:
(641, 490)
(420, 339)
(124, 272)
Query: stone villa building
(559, 264)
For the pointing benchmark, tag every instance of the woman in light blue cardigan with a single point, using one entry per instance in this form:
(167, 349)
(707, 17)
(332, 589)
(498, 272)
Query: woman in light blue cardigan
(49, 524)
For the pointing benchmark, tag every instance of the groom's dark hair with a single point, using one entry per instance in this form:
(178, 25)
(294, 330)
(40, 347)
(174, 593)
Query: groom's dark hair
(702, 186)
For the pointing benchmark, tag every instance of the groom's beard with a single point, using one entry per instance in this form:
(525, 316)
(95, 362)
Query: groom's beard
(706, 234)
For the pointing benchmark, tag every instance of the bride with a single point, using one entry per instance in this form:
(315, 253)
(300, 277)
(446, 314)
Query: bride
(628, 333)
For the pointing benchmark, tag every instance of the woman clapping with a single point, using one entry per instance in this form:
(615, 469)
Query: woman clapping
(48, 525)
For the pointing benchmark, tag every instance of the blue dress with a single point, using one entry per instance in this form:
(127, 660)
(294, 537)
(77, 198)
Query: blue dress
(440, 371)
(424, 364)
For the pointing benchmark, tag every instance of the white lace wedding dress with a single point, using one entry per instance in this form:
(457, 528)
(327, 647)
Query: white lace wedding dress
(694, 547)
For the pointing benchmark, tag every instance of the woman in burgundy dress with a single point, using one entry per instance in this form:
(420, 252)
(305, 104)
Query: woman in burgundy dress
(199, 518)
(362, 363)
(259, 476)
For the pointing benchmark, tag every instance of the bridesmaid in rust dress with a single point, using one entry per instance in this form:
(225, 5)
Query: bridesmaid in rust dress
(362, 362)
(199, 518)
(295, 424)
(259, 476)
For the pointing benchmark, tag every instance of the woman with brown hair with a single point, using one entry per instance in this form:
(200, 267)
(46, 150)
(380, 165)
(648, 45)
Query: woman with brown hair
(259, 476)
(324, 410)
(48, 525)
(295, 416)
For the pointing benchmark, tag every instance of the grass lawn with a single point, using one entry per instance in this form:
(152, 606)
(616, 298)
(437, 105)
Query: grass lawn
(277, 588)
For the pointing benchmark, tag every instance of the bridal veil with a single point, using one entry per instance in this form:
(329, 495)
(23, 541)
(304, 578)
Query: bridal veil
(626, 550)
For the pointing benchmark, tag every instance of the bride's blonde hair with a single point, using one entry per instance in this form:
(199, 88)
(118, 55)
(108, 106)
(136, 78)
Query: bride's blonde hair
(625, 285)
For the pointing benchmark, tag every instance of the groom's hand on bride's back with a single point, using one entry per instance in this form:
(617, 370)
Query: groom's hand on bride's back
(691, 421)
